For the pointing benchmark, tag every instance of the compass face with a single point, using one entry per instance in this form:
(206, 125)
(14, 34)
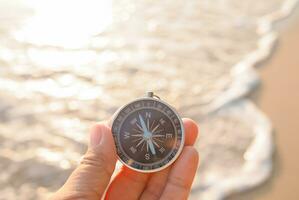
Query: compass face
(148, 134)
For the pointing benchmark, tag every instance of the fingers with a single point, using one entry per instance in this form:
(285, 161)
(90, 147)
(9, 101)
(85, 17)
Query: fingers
(132, 184)
(157, 181)
(90, 179)
(181, 175)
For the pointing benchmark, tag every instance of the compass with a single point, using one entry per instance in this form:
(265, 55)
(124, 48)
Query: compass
(148, 134)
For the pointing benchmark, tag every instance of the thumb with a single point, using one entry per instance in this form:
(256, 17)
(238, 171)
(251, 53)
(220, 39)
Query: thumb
(90, 179)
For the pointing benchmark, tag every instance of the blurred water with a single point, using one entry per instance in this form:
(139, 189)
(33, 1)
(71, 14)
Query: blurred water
(65, 64)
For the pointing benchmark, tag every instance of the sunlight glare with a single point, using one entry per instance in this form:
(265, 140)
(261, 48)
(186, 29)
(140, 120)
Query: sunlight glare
(65, 23)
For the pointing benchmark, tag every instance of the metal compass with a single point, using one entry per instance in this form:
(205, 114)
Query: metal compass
(148, 134)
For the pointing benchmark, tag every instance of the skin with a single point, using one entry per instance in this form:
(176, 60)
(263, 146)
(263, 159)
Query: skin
(92, 178)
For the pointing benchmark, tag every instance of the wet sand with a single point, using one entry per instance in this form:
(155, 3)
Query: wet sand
(278, 97)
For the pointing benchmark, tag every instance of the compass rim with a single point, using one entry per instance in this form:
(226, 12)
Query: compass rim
(179, 151)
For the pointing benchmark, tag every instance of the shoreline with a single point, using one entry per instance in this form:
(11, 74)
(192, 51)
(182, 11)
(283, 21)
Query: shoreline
(279, 74)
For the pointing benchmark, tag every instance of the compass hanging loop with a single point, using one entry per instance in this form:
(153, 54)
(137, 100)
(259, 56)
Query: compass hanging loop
(152, 95)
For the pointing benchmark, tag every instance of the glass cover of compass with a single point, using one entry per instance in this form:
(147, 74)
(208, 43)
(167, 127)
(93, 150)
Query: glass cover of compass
(148, 134)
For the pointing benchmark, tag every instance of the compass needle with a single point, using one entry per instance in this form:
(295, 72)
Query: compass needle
(142, 124)
(146, 146)
(152, 147)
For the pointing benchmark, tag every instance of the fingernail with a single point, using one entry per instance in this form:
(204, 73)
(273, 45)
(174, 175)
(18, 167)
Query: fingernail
(95, 136)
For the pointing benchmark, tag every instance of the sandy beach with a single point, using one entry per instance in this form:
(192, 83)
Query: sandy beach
(278, 97)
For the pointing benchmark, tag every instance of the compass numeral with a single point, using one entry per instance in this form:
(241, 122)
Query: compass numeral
(133, 121)
(162, 121)
(147, 156)
(162, 149)
(127, 135)
(148, 115)
(168, 135)
(133, 150)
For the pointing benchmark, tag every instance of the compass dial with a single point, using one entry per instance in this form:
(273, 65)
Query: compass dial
(148, 134)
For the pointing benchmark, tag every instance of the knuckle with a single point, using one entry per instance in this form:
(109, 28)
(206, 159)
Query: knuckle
(97, 160)
(151, 194)
(178, 182)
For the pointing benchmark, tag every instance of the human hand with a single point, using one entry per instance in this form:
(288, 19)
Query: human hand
(92, 178)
